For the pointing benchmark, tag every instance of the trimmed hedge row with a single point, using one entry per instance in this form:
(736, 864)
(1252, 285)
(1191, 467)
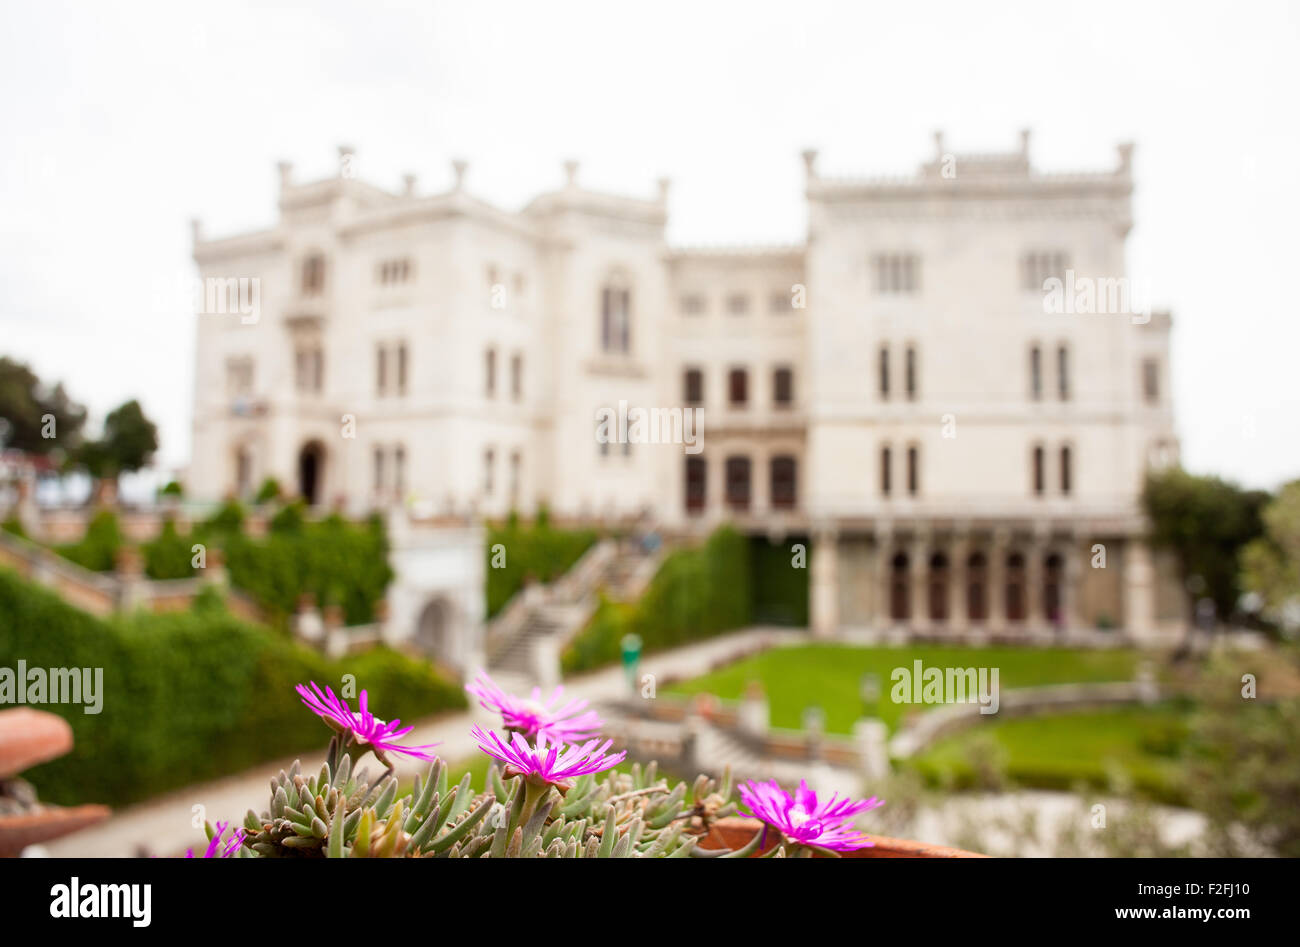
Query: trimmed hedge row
(697, 593)
(187, 696)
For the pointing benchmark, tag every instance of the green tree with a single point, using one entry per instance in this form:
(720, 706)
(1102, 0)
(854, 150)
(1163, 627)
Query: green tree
(1271, 564)
(1206, 522)
(25, 404)
(128, 443)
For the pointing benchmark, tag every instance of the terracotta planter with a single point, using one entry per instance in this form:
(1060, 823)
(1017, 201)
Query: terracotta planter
(29, 737)
(736, 833)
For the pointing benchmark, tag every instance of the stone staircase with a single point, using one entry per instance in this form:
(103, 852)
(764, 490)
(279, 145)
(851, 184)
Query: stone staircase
(547, 617)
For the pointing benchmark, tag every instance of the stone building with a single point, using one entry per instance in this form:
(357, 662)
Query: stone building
(950, 391)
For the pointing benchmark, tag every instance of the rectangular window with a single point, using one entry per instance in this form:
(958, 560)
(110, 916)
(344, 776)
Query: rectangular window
(1040, 476)
(401, 368)
(738, 388)
(913, 471)
(909, 373)
(516, 468)
(693, 304)
(897, 273)
(738, 304)
(783, 486)
(1151, 380)
(517, 377)
(884, 372)
(381, 371)
(693, 386)
(1063, 372)
(738, 483)
(490, 373)
(696, 484)
(1065, 470)
(489, 470)
(781, 302)
(886, 470)
(1036, 373)
(783, 387)
(379, 470)
(399, 471)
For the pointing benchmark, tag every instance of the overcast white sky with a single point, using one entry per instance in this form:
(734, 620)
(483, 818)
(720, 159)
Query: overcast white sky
(121, 121)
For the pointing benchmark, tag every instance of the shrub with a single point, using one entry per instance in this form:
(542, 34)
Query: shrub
(268, 491)
(333, 561)
(98, 549)
(169, 555)
(172, 489)
(14, 527)
(696, 594)
(186, 696)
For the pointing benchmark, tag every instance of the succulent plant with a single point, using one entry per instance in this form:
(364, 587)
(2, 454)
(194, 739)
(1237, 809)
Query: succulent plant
(338, 813)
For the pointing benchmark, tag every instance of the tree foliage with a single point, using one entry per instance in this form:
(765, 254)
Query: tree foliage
(1206, 522)
(26, 403)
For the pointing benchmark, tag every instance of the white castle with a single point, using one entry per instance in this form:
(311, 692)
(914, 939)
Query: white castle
(904, 391)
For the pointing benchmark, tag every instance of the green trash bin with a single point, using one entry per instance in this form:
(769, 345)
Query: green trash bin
(631, 647)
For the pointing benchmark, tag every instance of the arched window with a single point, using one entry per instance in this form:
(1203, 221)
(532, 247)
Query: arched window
(937, 585)
(900, 603)
(1015, 590)
(1053, 574)
(977, 578)
(616, 316)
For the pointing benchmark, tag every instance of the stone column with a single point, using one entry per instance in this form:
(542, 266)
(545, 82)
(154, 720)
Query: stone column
(997, 590)
(1072, 575)
(959, 552)
(919, 566)
(1035, 617)
(1139, 590)
(759, 482)
(884, 572)
(825, 591)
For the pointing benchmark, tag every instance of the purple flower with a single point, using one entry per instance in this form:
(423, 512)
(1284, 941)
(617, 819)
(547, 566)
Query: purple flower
(557, 765)
(362, 726)
(219, 849)
(802, 819)
(552, 719)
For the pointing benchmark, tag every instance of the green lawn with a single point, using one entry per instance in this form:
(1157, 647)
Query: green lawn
(830, 676)
(1063, 750)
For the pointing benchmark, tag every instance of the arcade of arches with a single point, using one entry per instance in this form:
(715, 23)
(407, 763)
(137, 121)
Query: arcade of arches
(995, 581)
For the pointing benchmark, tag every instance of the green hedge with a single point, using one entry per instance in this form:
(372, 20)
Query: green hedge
(97, 549)
(333, 561)
(169, 556)
(188, 696)
(780, 586)
(697, 593)
(536, 551)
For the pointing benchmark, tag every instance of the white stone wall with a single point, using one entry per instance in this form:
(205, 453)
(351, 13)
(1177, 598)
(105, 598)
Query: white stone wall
(971, 324)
